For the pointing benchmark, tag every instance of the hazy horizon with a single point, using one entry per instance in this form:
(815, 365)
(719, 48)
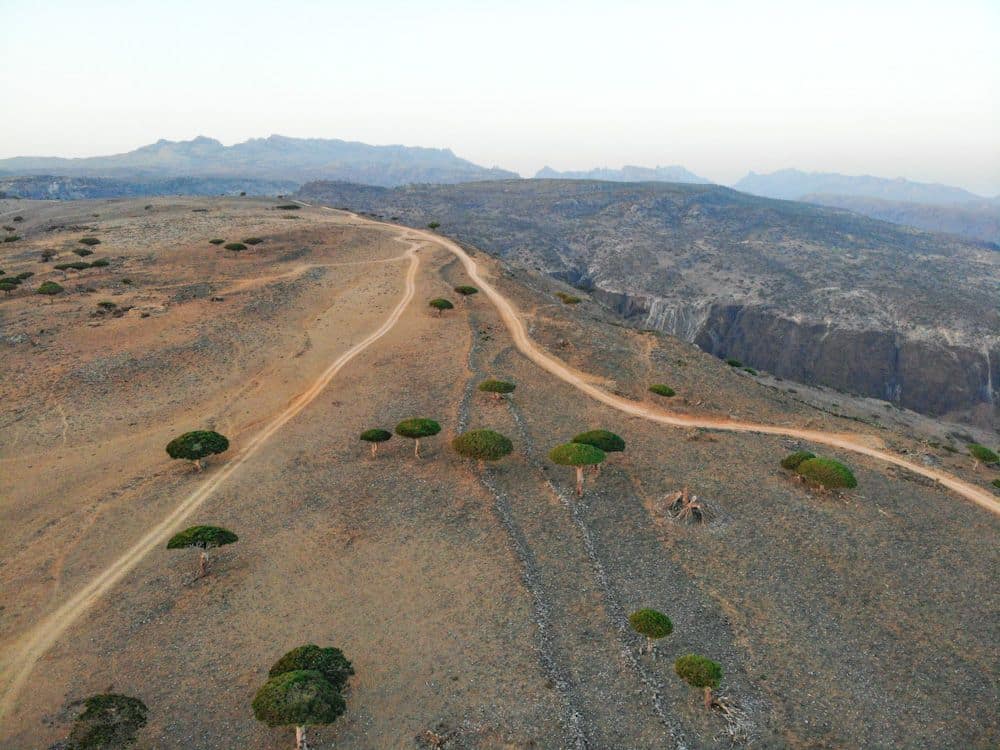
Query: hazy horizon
(889, 89)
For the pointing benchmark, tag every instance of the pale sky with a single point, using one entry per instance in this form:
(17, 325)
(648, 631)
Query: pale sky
(880, 87)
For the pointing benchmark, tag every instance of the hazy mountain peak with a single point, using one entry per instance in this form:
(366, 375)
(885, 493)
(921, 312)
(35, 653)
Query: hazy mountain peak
(628, 173)
(793, 184)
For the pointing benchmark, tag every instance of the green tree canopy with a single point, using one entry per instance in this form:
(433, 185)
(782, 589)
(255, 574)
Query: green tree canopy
(109, 721)
(466, 291)
(202, 537)
(651, 623)
(252, 241)
(329, 662)
(792, 460)
(196, 445)
(698, 671)
(482, 445)
(496, 387)
(83, 252)
(608, 442)
(983, 454)
(440, 304)
(235, 246)
(662, 390)
(91, 241)
(216, 241)
(827, 473)
(576, 454)
(300, 698)
(49, 287)
(417, 428)
(376, 435)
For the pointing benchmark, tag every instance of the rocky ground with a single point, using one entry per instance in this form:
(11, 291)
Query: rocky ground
(483, 608)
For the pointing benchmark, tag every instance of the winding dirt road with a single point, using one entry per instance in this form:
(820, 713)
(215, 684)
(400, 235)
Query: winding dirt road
(20, 663)
(17, 667)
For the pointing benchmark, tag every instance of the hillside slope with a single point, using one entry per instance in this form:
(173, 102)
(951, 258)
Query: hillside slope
(487, 606)
(273, 158)
(794, 184)
(628, 173)
(807, 293)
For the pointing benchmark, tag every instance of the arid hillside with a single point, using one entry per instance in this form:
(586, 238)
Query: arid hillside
(481, 606)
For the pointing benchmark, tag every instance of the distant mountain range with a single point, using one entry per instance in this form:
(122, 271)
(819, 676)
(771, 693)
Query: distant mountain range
(274, 158)
(794, 184)
(51, 187)
(628, 173)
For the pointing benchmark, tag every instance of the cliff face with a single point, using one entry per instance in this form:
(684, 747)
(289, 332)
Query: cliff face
(807, 293)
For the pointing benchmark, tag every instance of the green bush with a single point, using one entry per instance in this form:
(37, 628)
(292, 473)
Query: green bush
(750, 370)
(11, 238)
(83, 252)
(792, 460)
(652, 624)
(62, 266)
(698, 671)
(496, 387)
(216, 242)
(482, 445)
(252, 241)
(376, 435)
(107, 305)
(434, 225)
(827, 473)
(466, 291)
(127, 281)
(48, 255)
(329, 662)
(734, 362)
(662, 390)
(286, 206)
(78, 265)
(108, 722)
(299, 698)
(983, 454)
(568, 299)
(235, 246)
(440, 304)
(18, 219)
(7, 286)
(996, 483)
(576, 454)
(196, 445)
(100, 263)
(608, 442)
(49, 287)
(89, 241)
(24, 275)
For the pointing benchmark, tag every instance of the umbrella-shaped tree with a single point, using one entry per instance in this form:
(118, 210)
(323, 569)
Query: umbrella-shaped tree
(498, 388)
(608, 442)
(416, 429)
(374, 437)
(466, 291)
(482, 445)
(440, 304)
(108, 720)
(982, 455)
(700, 672)
(196, 445)
(576, 455)
(329, 661)
(652, 624)
(203, 538)
(300, 698)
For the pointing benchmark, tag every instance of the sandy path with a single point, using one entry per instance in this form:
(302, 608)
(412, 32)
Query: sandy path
(846, 441)
(19, 665)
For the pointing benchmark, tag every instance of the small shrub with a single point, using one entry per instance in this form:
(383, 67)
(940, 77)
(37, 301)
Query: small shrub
(8, 228)
(286, 206)
(434, 225)
(48, 255)
(792, 461)
(83, 252)
(700, 672)
(482, 445)
(91, 241)
(11, 238)
(107, 305)
(127, 281)
(568, 299)
(62, 266)
(466, 291)
(375, 436)
(827, 473)
(100, 263)
(982, 454)
(750, 370)
(24, 275)
(7, 286)
(996, 483)
(50, 288)
(498, 388)
(78, 265)
(734, 362)
(440, 304)
(235, 246)
(252, 241)
(108, 721)
(18, 219)
(662, 390)
(216, 242)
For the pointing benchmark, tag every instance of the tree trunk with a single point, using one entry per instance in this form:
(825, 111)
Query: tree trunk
(579, 481)
(197, 464)
(416, 448)
(300, 739)
(708, 697)
(649, 646)
(203, 564)
(374, 449)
